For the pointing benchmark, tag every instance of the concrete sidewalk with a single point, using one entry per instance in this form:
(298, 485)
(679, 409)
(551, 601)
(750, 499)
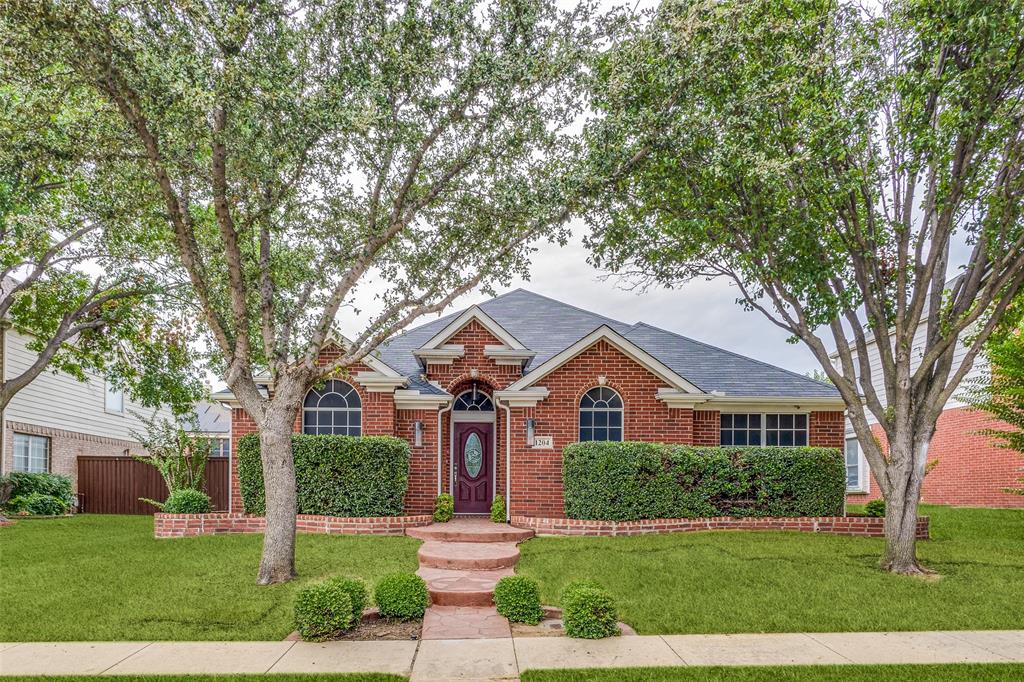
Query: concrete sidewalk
(503, 659)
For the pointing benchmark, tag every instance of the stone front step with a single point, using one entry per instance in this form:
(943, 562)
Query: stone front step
(470, 530)
(462, 588)
(472, 556)
(464, 622)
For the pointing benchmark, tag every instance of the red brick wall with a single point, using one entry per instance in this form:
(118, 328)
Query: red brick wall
(706, 424)
(419, 498)
(827, 429)
(473, 337)
(972, 468)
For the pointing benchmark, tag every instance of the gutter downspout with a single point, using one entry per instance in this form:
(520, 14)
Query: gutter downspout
(439, 439)
(508, 461)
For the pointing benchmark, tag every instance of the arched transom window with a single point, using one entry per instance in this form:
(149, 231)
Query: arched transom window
(473, 400)
(334, 410)
(600, 415)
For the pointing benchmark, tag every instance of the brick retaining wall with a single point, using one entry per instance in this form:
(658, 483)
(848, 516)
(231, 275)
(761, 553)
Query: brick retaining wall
(188, 525)
(836, 525)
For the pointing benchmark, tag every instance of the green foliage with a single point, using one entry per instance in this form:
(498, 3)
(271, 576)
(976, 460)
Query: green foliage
(357, 594)
(179, 455)
(498, 509)
(54, 485)
(323, 610)
(634, 480)
(402, 596)
(518, 599)
(38, 504)
(334, 475)
(588, 611)
(875, 508)
(444, 508)
(186, 501)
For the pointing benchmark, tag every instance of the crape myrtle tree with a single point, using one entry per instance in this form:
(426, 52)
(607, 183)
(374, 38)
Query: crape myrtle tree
(855, 173)
(76, 266)
(302, 150)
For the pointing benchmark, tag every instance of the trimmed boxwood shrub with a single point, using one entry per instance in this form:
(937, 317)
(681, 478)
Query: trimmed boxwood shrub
(52, 485)
(630, 480)
(357, 594)
(334, 475)
(518, 599)
(444, 508)
(38, 504)
(875, 508)
(186, 501)
(588, 612)
(402, 596)
(322, 610)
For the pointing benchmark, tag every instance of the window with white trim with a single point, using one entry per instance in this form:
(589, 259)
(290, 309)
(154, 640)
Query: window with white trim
(31, 453)
(473, 400)
(333, 410)
(113, 399)
(601, 415)
(220, 447)
(763, 428)
(854, 470)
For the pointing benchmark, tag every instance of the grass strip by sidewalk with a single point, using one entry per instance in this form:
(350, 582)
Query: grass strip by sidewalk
(740, 582)
(960, 672)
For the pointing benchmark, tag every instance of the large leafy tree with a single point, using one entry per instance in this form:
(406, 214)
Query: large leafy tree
(77, 268)
(839, 165)
(301, 151)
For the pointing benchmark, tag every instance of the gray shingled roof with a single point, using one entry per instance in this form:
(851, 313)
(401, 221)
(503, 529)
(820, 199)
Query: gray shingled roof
(210, 418)
(547, 327)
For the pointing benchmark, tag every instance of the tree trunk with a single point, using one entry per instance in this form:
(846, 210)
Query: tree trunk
(278, 562)
(901, 513)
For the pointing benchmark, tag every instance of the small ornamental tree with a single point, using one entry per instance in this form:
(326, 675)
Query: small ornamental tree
(303, 151)
(856, 173)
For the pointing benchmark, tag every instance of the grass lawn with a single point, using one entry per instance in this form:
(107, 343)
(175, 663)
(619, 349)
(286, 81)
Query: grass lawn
(797, 582)
(336, 677)
(98, 577)
(817, 673)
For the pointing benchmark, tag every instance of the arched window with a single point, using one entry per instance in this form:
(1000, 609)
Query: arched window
(334, 410)
(600, 415)
(473, 400)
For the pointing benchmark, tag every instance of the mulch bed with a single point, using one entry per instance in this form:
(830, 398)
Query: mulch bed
(375, 628)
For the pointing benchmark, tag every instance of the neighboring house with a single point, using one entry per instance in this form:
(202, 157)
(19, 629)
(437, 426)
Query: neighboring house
(969, 469)
(213, 421)
(488, 397)
(56, 418)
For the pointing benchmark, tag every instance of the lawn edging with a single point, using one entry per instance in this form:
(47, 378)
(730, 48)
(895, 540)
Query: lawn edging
(865, 526)
(217, 523)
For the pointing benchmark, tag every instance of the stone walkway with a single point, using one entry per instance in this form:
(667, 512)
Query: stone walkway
(461, 561)
(504, 658)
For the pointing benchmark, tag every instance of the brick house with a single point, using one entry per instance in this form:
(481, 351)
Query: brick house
(488, 397)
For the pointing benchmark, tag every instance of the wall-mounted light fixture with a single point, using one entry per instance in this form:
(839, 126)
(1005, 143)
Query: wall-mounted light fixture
(531, 425)
(418, 430)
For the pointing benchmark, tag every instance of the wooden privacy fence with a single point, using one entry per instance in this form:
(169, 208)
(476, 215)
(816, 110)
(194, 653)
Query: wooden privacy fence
(113, 485)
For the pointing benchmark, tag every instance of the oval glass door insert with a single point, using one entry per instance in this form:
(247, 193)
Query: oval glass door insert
(473, 455)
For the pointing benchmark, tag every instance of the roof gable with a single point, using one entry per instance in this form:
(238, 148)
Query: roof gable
(463, 320)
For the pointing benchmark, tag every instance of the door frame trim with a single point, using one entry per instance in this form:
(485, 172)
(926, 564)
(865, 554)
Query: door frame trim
(473, 417)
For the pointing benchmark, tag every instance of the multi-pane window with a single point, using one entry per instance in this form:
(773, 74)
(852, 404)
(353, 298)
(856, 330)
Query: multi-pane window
(763, 429)
(741, 429)
(600, 415)
(334, 410)
(31, 453)
(220, 447)
(852, 464)
(473, 401)
(113, 399)
(785, 429)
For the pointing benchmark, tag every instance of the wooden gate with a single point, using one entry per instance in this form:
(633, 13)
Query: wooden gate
(113, 485)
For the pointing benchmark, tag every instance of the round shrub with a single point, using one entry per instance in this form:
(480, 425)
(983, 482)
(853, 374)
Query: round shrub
(588, 612)
(402, 596)
(322, 611)
(444, 508)
(38, 504)
(187, 501)
(357, 594)
(498, 509)
(518, 599)
(875, 508)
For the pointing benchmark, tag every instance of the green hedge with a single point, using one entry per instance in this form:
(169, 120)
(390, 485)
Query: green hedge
(334, 475)
(632, 480)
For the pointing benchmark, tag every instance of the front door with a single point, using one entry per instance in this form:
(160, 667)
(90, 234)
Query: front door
(473, 468)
